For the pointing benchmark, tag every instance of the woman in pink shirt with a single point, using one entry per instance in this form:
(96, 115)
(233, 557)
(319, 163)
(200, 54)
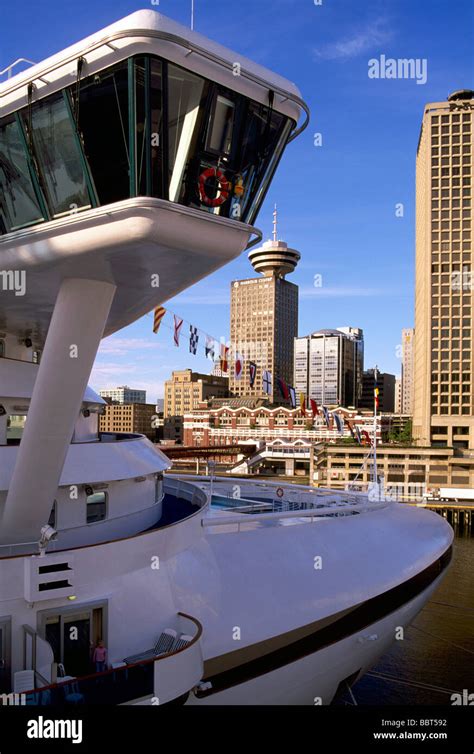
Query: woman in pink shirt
(100, 657)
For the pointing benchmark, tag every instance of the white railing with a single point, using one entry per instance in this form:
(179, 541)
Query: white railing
(311, 514)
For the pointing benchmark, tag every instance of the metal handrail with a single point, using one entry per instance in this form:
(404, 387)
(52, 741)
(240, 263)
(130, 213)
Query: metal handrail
(126, 666)
(311, 513)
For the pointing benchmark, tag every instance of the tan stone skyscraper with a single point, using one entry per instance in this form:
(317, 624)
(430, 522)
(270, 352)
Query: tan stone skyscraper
(264, 318)
(444, 366)
(406, 397)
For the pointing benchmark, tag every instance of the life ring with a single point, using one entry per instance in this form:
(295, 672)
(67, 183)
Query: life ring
(223, 194)
(280, 492)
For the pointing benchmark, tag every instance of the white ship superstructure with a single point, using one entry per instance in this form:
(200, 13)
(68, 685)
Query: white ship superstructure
(132, 165)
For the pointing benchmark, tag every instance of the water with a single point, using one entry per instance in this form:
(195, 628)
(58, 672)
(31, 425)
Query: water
(427, 655)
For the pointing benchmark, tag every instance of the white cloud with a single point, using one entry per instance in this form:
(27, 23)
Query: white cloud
(359, 42)
(112, 346)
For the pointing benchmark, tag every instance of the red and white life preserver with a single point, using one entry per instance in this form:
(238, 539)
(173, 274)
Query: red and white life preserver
(223, 193)
(280, 492)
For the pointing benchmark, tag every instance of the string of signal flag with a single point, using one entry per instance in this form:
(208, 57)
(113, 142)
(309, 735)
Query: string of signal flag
(288, 392)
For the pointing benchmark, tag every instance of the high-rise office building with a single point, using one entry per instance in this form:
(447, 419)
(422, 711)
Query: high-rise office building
(386, 388)
(264, 319)
(328, 366)
(443, 368)
(398, 395)
(407, 371)
(124, 394)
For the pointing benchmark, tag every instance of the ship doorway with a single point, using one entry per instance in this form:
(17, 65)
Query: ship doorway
(5, 652)
(73, 634)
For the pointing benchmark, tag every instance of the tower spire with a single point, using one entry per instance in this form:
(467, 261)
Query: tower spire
(275, 221)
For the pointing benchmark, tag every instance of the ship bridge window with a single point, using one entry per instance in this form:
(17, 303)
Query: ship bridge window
(104, 128)
(144, 127)
(96, 507)
(58, 156)
(19, 205)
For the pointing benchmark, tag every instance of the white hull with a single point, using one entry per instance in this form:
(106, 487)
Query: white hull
(314, 679)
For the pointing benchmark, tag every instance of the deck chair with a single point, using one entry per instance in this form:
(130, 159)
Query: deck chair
(181, 642)
(162, 646)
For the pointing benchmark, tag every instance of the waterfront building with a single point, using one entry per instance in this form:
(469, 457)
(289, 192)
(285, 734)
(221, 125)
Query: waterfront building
(406, 471)
(398, 395)
(443, 401)
(328, 366)
(386, 388)
(124, 394)
(130, 418)
(183, 392)
(264, 319)
(406, 405)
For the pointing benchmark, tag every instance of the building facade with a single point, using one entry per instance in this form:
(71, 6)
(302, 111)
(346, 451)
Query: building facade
(132, 417)
(183, 392)
(386, 388)
(124, 394)
(407, 370)
(408, 472)
(328, 366)
(253, 421)
(398, 395)
(264, 320)
(443, 400)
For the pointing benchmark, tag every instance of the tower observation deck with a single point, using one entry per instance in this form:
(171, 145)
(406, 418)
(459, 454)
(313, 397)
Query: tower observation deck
(274, 258)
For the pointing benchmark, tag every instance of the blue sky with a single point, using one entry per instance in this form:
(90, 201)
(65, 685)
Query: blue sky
(337, 201)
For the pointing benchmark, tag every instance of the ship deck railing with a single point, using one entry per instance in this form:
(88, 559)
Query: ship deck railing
(155, 680)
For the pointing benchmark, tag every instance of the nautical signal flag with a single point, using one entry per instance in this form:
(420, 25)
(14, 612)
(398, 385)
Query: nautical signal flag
(303, 403)
(292, 393)
(224, 358)
(314, 407)
(193, 339)
(210, 348)
(267, 382)
(238, 367)
(178, 323)
(367, 437)
(283, 388)
(326, 415)
(252, 373)
(158, 315)
(339, 425)
(376, 397)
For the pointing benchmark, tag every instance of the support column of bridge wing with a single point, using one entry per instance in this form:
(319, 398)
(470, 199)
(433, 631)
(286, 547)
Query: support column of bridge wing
(80, 314)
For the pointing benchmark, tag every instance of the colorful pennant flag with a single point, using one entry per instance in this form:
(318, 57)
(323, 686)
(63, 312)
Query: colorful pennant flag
(351, 429)
(267, 382)
(367, 437)
(376, 398)
(193, 339)
(238, 367)
(292, 393)
(339, 424)
(314, 407)
(326, 415)
(358, 435)
(178, 323)
(224, 358)
(158, 315)
(283, 387)
(252, 373)
(210, 348)
(303, 404)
